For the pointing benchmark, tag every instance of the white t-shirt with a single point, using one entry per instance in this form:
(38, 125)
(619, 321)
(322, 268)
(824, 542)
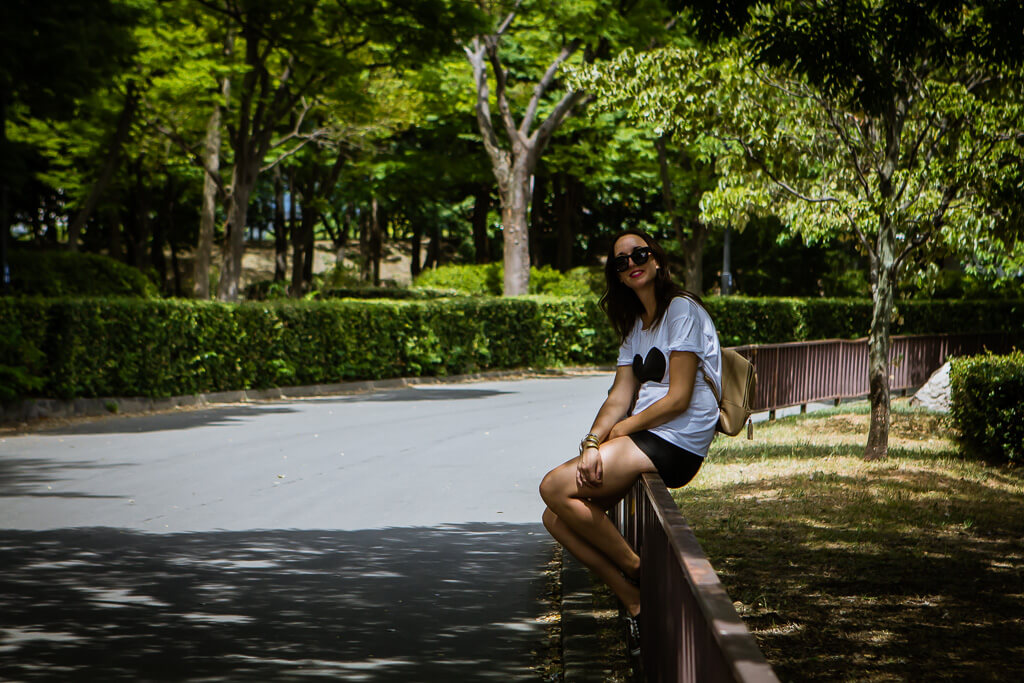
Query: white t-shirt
(686, 326)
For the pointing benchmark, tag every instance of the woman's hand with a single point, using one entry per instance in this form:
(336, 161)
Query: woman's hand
(589, 469)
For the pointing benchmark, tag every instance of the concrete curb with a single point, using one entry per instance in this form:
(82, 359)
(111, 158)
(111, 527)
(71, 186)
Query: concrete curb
(29, 410)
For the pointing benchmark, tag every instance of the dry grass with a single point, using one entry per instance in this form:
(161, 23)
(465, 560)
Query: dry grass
(906, 569)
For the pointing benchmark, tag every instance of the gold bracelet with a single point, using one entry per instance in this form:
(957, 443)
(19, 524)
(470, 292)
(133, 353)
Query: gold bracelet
(589, 441)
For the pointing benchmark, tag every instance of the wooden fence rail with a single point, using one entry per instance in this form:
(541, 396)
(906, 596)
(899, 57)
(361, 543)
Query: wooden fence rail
(689, 628)
(797, 373)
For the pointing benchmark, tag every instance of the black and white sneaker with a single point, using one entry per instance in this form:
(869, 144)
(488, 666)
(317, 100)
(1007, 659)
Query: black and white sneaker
(633, 634)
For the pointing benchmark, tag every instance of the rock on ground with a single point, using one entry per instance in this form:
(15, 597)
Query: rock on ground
(934, 395)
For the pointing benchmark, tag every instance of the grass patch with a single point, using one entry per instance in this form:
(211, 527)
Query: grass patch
(906, 569)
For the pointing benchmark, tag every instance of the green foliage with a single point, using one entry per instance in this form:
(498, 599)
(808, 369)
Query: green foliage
(478, 280)
(395, 293)
(486, 280)
(69, 348)
(123, 347)
(49, 273)
(987, 405)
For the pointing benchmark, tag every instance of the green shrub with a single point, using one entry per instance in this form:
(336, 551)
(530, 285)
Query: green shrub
(477, 279)
(398, 293)
(265, 290)
(987, 405)
(580, 281)
(143, 347)
(488, 280)
(123, 347)
(66, 273)
(269, 290)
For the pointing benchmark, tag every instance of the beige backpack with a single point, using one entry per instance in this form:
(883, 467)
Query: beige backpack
(739, 379)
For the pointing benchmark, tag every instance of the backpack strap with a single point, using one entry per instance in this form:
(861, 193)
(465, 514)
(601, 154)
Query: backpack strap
(707, 377)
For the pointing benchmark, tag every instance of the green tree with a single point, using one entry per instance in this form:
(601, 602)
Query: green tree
(51, 54)
(528, 44)
(892, 121)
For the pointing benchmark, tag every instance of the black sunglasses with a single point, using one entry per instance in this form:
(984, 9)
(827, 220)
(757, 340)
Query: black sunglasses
(640, 256)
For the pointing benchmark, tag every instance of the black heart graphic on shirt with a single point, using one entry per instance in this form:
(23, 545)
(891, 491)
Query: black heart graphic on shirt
(651, 369)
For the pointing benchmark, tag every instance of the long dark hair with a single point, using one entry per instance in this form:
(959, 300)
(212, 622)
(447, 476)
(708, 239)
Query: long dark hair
(621, 304)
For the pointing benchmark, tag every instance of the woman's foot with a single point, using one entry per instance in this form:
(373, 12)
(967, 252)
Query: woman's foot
(633, 633)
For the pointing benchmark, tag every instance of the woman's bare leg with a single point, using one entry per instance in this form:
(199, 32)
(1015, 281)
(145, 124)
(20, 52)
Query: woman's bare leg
(590, 556)
(576, 515)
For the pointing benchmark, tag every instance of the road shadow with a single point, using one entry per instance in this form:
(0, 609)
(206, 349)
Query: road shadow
(227, 415)
(28, 476)
(190, 418)
(449, 603)
(413, 394)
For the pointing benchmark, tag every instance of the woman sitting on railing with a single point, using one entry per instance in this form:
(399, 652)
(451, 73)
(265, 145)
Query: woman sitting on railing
(669, 351)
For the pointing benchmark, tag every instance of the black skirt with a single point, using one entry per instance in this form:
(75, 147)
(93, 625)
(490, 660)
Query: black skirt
(676, 465)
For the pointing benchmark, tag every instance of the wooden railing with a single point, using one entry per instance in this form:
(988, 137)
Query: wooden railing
(798, 373)
(689, 629)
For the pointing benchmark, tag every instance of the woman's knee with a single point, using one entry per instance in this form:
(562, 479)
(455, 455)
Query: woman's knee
(549, 518)
(549, 488)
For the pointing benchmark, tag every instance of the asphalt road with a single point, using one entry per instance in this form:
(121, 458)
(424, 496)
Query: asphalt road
(378, 537)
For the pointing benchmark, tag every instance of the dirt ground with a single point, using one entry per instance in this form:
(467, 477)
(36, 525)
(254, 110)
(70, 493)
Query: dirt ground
(258, 262)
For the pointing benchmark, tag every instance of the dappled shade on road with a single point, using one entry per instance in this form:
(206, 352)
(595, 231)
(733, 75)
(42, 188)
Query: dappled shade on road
(109, 604)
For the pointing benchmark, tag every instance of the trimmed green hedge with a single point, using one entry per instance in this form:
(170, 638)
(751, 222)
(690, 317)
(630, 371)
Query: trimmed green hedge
(120, 347)
(987, 405)
(133, 347)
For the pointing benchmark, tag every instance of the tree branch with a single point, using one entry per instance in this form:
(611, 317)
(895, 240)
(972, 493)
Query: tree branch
(843, 134)
(475, 55)
(543, 84)
(304, 141)
(754, 157)
(500, 79)
(191, 154)
(540, 137)
(507, 21)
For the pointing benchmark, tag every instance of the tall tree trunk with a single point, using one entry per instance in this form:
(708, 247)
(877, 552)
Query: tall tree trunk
(376, 241)
(110, 163)
(300, 244)
(538, 196)
(280, 228)
(337, 233)
(433, 246)
(5, 201)
(208, 212)
(567, 217)
(156, 249)
(417, 243)
(365, 218)
(310, 217)
(139, 220)
(243, 178)
(37, 227)
(5, 268)
(693, 256)
(883, 291)
(514, 165)
(515, 196)
(51, 236)
(176, 269)
(481, 207)
(692, 243)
